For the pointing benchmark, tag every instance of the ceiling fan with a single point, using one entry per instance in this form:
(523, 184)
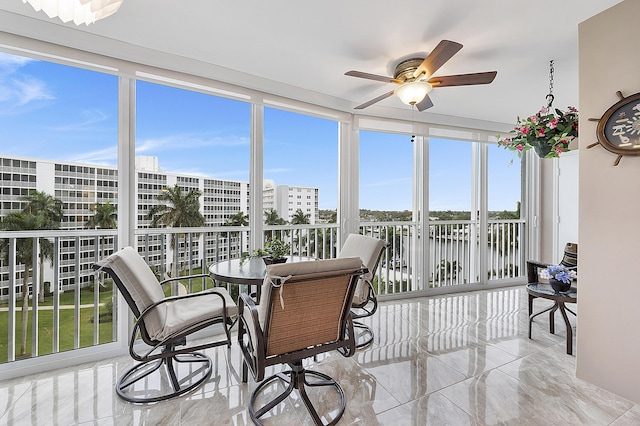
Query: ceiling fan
(415, 77)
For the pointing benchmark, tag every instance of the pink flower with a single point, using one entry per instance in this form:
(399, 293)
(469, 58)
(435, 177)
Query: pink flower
(534, 118)
(553, 123)
(519, 147)
(541, 133)
(559, 150)
(572, 109)
(544, 110)
(524, 130)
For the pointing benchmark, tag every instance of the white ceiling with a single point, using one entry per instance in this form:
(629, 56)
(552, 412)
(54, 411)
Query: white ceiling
(301, 49)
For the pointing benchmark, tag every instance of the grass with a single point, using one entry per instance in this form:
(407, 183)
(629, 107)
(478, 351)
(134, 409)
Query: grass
(66, 330)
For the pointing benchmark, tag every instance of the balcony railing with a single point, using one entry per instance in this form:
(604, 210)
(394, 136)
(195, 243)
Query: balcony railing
(68, 306)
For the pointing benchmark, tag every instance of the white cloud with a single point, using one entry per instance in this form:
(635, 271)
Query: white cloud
(106, 156)
(90, 117)
(9, 63)
(30, 89)
(182, 142)
(18, 90)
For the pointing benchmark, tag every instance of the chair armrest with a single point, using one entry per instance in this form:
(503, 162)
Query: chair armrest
(184, 277)
(183, 330)
(532, 270)
(253, 348)
(248, 311)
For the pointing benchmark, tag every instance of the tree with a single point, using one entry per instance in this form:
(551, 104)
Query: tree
(41, 203)
(299, 218)
(447, 270)
(105, 217)
(238, 219)
(179, 210)
(21, 221)
(271, 218)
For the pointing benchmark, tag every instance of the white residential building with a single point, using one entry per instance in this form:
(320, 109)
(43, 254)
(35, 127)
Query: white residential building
(286, 200)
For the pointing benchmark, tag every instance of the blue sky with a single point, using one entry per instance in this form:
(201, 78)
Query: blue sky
(59, 112)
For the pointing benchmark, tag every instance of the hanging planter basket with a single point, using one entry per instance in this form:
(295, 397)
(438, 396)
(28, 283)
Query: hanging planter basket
(549, 131)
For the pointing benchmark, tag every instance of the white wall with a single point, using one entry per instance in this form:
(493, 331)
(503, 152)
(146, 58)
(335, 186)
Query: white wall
(608, 343)
(567, 202)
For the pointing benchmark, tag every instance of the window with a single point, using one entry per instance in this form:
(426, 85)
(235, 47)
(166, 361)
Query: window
(295, 141)
(60, 116)
(391, 189)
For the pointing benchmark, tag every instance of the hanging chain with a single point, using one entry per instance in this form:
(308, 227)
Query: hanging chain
(550, 95)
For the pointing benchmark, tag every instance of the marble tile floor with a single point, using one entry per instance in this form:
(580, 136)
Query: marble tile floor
(463, 359)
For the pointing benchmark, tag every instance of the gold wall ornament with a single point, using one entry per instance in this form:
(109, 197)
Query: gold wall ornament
(618, 129)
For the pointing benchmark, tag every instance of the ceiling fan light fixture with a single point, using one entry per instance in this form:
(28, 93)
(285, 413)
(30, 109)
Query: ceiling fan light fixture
(413, 92)
(79, 11)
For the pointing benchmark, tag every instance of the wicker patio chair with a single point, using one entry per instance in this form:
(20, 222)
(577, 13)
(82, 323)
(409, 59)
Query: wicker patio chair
(303, 311)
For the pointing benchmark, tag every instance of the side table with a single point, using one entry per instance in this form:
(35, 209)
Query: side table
(545, 291)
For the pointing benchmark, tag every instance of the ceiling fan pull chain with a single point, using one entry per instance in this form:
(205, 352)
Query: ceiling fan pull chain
(550, 95)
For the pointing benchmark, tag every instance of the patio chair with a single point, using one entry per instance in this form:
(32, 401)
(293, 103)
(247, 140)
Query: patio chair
(303, 311)
(569, 260)
(164, 323)
(365, 302)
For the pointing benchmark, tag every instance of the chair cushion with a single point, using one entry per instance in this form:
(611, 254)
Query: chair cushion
(182, 313)
(570, 258)
(141, 284)
(369, 250)
(314, 268)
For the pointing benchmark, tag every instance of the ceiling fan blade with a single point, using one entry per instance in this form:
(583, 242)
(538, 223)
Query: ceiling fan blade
(438, 56)
(374, 100)
(424, 104)
(463, 79)
(375, 77)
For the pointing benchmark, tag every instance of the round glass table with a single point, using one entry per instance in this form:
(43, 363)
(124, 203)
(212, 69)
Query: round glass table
(250, 273)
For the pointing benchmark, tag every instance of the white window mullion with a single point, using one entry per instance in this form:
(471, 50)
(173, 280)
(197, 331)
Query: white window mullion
(483, 207)
(348, 180)
(256, 160)
(126, 188)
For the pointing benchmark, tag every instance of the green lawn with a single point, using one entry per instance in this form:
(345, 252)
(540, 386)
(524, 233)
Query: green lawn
(66, 332)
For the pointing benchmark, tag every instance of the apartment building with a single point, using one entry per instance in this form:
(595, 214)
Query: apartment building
(81, 186)
(287, 199)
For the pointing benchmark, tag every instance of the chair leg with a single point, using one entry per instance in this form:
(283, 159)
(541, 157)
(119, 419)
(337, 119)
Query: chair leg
(126, 387)
(365, 336)
(296, 378)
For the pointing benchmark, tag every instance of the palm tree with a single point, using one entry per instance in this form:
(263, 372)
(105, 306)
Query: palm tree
(21, 221)
(238, 219)
(179, 210)
(299, 218)
(39, 202)
(105, 217)
(271, 218)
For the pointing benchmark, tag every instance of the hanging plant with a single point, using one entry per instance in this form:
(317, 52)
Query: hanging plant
(548, 132)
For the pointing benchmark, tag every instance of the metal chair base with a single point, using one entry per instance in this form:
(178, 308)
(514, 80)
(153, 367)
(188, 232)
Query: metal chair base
(198, 373)
(364, 334)
(296, 378)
